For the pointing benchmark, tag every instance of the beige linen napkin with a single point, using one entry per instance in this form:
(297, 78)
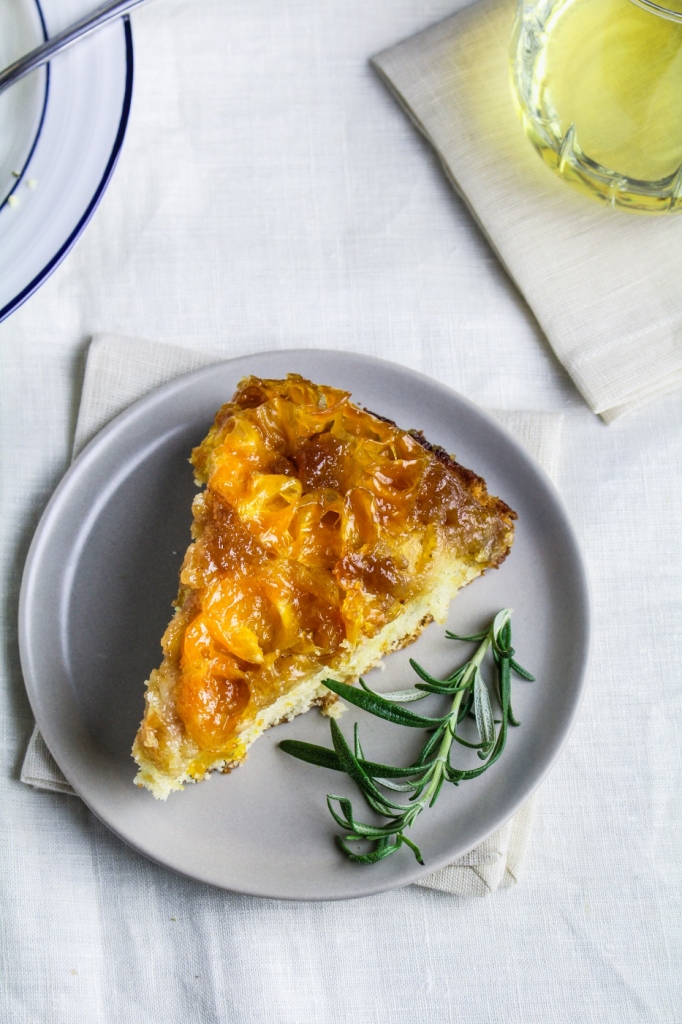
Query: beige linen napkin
(121, 370)
(604, 284)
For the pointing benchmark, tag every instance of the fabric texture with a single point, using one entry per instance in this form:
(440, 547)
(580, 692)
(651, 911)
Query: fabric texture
(119, 371)
(608, 301)
(271, 194)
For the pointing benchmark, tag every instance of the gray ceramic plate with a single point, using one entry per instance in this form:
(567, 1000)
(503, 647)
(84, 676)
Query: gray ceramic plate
(96, 597)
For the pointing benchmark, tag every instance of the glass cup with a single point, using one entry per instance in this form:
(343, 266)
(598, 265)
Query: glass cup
(598, 87)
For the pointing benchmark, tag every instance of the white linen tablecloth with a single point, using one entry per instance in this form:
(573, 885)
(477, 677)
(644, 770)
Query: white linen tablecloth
(271, 194)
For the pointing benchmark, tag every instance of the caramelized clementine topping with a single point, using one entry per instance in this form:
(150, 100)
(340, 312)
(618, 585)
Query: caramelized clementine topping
(318, 523)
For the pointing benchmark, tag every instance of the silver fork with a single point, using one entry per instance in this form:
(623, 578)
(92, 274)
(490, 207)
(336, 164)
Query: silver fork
(42, 54)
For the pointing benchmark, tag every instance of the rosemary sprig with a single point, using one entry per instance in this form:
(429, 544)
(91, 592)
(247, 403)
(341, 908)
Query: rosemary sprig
(424, 778)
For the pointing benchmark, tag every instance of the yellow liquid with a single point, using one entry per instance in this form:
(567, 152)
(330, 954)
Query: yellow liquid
(603, 99)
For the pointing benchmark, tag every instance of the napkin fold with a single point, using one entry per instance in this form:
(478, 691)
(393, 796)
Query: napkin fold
(121, 370)
(604, 284)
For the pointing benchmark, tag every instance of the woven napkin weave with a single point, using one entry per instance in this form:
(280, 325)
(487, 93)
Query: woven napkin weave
(121, 370)
(604, 284)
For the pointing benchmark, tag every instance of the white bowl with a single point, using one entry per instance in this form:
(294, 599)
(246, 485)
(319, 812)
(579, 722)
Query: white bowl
(61, 130)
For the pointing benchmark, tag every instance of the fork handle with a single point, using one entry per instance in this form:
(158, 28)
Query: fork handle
(88, 23)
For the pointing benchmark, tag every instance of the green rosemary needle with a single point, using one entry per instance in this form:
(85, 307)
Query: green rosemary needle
(424, 778)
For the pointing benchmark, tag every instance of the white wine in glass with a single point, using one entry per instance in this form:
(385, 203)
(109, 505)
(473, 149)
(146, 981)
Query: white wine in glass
(598, 86)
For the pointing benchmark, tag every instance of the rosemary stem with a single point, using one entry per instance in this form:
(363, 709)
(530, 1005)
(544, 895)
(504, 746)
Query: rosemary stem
(446, 743)
(467, 687)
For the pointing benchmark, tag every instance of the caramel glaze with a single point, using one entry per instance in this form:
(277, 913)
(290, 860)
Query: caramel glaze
(318, 523)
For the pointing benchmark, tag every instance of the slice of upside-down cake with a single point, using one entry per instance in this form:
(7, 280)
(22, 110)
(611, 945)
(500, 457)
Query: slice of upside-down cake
(325, 537)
